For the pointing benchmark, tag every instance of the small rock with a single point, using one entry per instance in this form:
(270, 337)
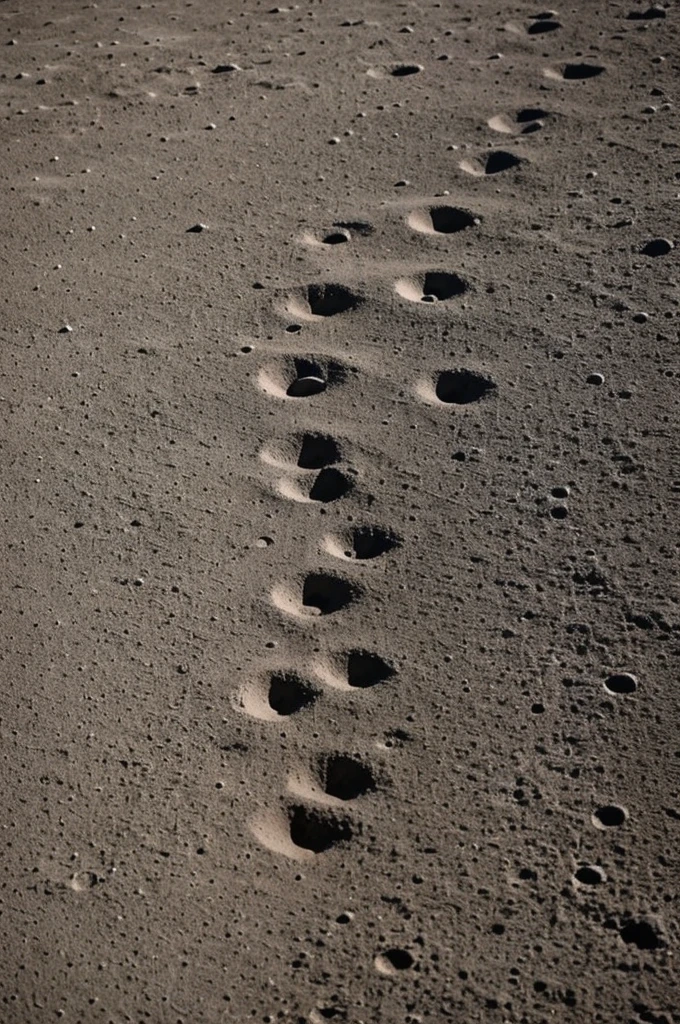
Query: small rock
(197, 228)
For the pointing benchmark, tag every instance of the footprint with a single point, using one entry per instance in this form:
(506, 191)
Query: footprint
(456, 387)
(318, 301)
(302, 833)
(431, 286)
(300, 376)
(329, 485)
(361, 543)
(575, 72)
(495, 162)
(523, 122)
(355, 669)
(321, 594)
(306, 451)
(442, 220)
(334, 779)
(279, 694)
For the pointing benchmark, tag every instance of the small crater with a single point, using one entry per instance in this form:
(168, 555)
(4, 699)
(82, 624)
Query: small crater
(462, 387)
(288, 693)
(610, 816)
(392, 961)
(540, 27)
(581, 71)
(657, 247)
(324, 594)
(317, 831)
(641, 934)
(335, 238)
(403, 70)
(527, 114)
(621, 683)
(318, 301)
(590, 874)
(442, 220)
(346, 778)
(432, 286)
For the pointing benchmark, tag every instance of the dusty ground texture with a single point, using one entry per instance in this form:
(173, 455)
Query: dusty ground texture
(340, 391)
